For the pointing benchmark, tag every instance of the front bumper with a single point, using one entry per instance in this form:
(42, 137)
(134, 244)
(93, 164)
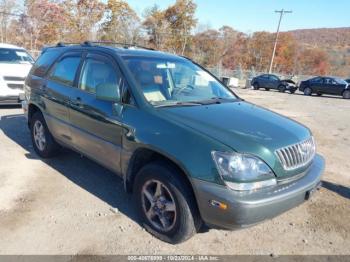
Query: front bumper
(248, 208)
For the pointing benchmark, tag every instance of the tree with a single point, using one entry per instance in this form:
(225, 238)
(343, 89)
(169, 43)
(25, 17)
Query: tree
(7, 7)
(42, 22)
(122, 23)
(156, 27)
(180, 17)
(83, 16)
(314, 61)
(207, 48)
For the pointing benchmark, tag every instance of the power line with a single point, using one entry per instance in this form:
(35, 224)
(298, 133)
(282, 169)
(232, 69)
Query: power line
(282, 12)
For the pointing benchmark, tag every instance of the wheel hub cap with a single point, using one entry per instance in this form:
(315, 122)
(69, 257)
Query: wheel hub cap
(39, 135)
(158, 205)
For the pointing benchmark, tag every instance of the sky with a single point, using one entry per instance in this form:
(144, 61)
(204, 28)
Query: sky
(254, 15)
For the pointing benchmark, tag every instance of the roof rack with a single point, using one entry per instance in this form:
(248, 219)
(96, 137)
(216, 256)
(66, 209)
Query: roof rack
(116, 44)
(62, 44)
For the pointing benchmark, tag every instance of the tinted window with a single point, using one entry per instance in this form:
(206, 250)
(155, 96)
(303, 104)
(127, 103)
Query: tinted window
(99, 73)
(15, 56)
(272, 77)
(44, 62)
(65, 70)
(317, 80)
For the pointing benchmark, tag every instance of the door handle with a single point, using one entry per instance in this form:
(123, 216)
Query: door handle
(77, 102)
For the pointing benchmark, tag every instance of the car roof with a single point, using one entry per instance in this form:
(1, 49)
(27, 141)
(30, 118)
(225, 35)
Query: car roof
(9, 46)
(121, 51)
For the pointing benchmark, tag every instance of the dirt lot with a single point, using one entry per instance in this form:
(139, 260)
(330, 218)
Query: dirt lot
(70, 205)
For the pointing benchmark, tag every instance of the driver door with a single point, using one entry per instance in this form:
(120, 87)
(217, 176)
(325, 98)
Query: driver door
(97, 123)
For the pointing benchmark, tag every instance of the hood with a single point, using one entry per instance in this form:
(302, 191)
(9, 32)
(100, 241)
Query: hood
(288, 81)
(18, 70)
(242, 126)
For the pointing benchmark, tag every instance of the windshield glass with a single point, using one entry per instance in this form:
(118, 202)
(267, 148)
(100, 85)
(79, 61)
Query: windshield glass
(165, 82)
(15, 56)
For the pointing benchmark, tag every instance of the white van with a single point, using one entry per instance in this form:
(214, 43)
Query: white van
(15, 64)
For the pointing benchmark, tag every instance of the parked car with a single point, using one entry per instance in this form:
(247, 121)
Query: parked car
(187, 147)
(15, 63)
(348, 80)
(325, 85)
(269, 81)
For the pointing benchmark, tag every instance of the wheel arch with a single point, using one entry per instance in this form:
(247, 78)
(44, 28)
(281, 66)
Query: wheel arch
(32, 109)
(143, 156)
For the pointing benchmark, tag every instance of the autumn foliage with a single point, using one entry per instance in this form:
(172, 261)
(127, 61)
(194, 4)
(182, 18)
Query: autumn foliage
(174, 29)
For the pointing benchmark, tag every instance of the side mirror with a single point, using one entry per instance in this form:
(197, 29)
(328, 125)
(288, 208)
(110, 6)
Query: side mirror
(108, 92)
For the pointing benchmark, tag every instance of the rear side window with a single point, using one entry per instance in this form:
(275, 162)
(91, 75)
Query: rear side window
(65, 70)
(44, 62)
(317, 80)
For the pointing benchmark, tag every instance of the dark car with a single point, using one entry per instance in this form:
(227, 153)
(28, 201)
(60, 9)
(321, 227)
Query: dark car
(347, 80)
(187, 148)
(269, 81)
(325, 85)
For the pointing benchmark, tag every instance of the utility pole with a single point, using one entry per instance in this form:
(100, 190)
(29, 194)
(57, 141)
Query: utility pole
(282, 12)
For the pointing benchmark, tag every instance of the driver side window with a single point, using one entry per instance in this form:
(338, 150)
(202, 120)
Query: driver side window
(100, 76)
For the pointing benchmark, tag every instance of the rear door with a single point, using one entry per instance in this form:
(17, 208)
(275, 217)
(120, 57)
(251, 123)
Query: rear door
(58, 90)
(273, 81)
(263, 81)
(331, 86)
(96, 123)
(317, 85)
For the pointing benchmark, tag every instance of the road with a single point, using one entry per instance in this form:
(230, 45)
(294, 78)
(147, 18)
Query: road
(70, 205)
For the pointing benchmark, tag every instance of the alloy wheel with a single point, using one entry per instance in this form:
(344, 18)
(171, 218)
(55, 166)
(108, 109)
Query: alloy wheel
(39, 135)
(159, 205)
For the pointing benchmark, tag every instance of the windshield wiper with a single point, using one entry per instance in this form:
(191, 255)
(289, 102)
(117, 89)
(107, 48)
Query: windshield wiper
(216, 100)
(178, 103)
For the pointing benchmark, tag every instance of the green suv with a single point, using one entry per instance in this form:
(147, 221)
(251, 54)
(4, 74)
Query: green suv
(189, 150)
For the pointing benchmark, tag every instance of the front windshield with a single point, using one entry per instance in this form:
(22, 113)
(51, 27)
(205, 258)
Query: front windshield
(165, 82)
(15, 56)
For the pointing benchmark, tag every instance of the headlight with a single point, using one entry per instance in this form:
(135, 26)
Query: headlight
(242, 171)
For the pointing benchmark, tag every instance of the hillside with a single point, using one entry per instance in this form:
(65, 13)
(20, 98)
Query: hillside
(335, 41)
(323, 37)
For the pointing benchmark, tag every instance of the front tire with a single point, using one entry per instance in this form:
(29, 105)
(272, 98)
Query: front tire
(165, 203)
(307, 91)
(43, 142)
(267, 89)
(282, 88)
(256, 86)
(346, 94)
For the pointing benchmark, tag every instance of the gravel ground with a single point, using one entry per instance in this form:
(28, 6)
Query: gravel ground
(70, 205)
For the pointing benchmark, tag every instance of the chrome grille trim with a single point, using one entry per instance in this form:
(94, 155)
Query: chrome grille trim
(297, 155)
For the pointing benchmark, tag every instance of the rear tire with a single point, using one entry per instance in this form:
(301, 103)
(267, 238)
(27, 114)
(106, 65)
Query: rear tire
(282, 88)
(307, 91)
(43, 142)
(346, 94)
(319, 94)
(169, 213)
(267, 89)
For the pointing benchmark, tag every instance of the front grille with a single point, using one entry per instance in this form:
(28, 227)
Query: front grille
(297, 155)
(13, 78)
(15, 86)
